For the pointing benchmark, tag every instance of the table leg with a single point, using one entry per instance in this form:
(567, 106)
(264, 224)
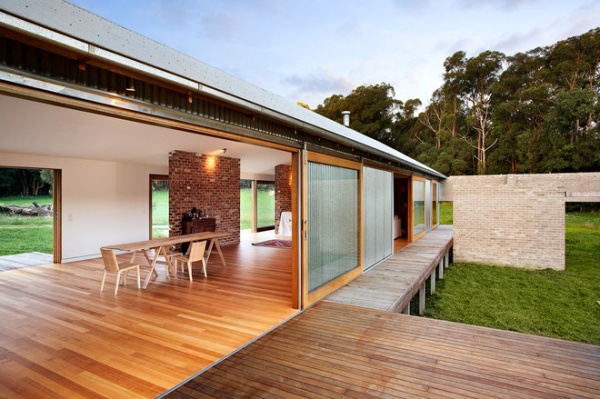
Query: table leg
(149, 262)
(170, 267)
(215, 242)
(152, 271)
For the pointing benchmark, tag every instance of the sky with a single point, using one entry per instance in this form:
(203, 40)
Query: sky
(308, 50)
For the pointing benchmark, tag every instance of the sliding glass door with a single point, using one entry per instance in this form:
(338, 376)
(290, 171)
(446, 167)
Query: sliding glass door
(257, 205)
(265, 205)
(159, 206)
(333, 228)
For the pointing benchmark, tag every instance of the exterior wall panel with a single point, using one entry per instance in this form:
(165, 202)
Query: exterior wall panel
(514, 220)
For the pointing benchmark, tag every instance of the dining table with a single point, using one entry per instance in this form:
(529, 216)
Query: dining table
(160, 247)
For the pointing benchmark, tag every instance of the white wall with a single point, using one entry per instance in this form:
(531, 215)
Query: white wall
(102, 202)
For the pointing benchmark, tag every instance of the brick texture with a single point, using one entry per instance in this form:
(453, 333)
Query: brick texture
(513, 220)
(283, 191)
(208, 183)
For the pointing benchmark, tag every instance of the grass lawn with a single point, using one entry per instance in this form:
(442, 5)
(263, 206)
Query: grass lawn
(446, 215)
(21, 234)
(559, 304)
(160, 213)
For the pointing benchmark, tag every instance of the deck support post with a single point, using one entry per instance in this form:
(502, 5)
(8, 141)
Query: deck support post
(422, 300)
(447, 259)
(441, 269)
(406, 310)
(433, 282)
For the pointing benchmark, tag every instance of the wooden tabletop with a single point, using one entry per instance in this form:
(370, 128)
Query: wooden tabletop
(167, 241)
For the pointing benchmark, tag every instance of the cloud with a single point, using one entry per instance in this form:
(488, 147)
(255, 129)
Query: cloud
(318, 86)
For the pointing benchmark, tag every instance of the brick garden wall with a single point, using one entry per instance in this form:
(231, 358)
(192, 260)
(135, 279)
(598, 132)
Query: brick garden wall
(209, 183)
(514, 220)
(283, 191)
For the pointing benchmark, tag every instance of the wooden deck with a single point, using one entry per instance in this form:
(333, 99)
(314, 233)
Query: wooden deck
(341, 351)
(60, 337)
(392, 284)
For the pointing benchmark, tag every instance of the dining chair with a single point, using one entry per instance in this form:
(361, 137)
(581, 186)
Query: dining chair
(112, 265)
(196, 254)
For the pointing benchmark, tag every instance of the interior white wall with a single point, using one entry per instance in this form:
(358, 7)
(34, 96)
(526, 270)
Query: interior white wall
(102, 202)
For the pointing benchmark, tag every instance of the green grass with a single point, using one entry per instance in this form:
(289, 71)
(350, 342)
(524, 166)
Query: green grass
(21, 234)
(446, 215)
(559, 304)
(160, 213)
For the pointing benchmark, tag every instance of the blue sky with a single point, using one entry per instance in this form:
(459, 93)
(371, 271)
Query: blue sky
(308, 50)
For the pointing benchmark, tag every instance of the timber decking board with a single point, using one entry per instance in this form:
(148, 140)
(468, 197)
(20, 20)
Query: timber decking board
(60, 337)
(340, 351)
(390, 285)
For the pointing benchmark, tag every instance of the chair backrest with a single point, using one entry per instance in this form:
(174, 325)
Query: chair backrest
(197, 251)
(110, 260)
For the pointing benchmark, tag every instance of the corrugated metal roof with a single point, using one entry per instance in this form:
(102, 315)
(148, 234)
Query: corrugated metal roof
(82, 30)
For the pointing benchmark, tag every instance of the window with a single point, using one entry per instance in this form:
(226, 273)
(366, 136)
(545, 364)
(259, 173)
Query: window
(159, 200)
(418, 195)
(435, 206)
(257, 205)
(265, 205)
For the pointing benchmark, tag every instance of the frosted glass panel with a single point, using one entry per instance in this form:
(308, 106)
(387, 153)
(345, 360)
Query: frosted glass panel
(378, 215)
(332, 223)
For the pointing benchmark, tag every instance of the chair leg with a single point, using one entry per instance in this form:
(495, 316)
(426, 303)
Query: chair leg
(138, 274)
(103, 279)
(118, 282)
(190, 270)
(204, 268)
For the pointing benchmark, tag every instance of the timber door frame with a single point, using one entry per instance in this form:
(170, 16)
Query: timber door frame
(154, 177)
(57, 217)
(320, 292)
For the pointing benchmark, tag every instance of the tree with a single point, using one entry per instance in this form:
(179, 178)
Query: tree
(480, 75)
(372, 110)
(25, 182)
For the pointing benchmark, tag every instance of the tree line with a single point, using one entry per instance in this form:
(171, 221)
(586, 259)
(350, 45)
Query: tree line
(533, 112)
(25, 182)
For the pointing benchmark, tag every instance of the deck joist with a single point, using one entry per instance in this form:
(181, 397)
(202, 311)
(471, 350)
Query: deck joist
(392, 284)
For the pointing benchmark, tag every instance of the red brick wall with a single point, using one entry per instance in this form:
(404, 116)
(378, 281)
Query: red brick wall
(209, 183)
(283, 191)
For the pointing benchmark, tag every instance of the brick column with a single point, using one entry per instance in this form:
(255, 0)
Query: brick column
(283, 191)
(210, 184)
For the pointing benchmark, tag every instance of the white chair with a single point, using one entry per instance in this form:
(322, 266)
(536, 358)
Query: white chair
(112, 265)
(196, 254)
